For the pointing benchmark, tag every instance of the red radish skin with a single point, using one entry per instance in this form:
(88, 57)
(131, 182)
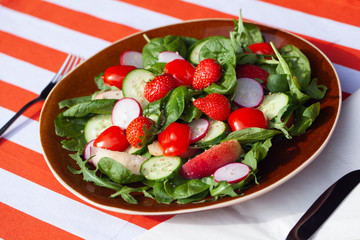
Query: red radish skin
(248, 93)
(125, 110)
(198, 128)
(132, 58)
(87, 154)
(232, 172)
(169, 56)
(205, 164)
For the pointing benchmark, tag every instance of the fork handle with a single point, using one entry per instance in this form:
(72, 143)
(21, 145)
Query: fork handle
(8, 124)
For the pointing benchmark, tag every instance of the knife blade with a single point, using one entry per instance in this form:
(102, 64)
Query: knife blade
(324, 206)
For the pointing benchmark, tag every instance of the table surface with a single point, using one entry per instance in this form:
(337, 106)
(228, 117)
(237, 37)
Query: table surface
(35, 37)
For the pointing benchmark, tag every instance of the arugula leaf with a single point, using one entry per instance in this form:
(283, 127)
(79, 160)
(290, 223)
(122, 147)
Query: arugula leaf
(315, 90)
(251, 135)
(125, 193)
(117, 172)
(90, 175)
(305, 117)
(257, 153)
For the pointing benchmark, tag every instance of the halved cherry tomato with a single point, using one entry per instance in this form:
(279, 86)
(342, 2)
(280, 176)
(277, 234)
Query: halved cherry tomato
(247, 117)
(182, 71)
(175, 139)
(112, 138)
(114, 76)
(262, 48)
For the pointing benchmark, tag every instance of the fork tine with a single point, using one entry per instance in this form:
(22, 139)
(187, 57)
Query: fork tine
(55, 78)
(70, 62)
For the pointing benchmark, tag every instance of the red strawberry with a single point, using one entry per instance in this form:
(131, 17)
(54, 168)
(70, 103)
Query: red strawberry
(215, 106)
(206, 73)
(251, 71)
(135, 133)
(159, 87)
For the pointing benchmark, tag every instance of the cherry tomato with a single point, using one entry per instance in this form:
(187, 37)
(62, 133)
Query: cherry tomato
(262, 48)
(175, 139)
(247, 117)
(113, 138)
(182, 71)
(115, 75)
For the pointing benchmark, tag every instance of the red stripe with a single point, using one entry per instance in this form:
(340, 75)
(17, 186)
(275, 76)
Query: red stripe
(341, 11)
(22, 226)
(342, 55)
(75, 20)
(31, 52)
(22, 97)
(179, 9)
(38, 172)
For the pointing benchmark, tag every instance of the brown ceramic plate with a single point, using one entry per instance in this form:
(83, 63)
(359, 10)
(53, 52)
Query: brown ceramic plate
(283, 162)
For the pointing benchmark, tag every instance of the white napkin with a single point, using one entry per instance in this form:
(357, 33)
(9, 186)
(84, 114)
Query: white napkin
(272, 215)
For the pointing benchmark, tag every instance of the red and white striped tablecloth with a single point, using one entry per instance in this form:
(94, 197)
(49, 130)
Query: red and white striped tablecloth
(35, 37)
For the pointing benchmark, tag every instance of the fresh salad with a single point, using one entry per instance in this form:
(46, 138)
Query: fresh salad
(189, 120)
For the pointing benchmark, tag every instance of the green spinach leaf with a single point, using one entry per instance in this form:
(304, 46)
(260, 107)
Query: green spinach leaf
(117, 172)
(251, 135)
(226, 84)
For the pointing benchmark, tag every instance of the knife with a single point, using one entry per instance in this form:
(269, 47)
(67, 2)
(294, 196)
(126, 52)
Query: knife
(324, 206)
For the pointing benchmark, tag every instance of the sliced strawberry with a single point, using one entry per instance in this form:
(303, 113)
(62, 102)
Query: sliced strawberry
(215, 106)
(136, 134)
(206, 73)
(206, 163)
(251, 71)
(159, 87)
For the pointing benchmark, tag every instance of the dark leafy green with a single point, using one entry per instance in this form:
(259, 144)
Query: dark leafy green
(117, 172)
(251, 135)
(226, 84)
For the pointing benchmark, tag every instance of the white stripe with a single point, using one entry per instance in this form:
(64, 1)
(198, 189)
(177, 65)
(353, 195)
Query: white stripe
(62, 212)
(24, 131)
(24, 74)
(119, 12)
(49, 34)
(295, 21)
(349, 78)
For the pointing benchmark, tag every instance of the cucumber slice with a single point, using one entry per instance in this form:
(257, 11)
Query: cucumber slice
(159, 168)
(195, 50)
(134, 84)
(273, 103)
(216, 133)
(96, 125)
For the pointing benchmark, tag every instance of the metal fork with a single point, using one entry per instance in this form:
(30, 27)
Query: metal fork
(70, 62)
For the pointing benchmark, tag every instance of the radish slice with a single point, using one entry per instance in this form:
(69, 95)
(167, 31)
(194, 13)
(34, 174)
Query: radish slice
(132, 58)
(168, 56)
(232, 172)
(87, 153)
(125, 110)
(198, 129)
(248, 93)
